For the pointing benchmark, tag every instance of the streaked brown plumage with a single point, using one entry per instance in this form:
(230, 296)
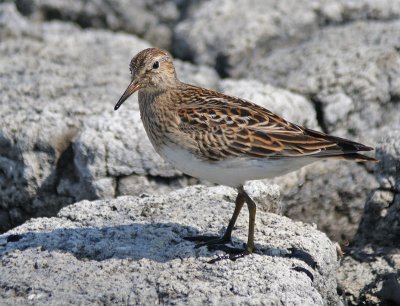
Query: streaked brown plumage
(223, 139)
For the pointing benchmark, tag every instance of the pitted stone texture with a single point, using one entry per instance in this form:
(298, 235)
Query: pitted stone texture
(152, 20)
(12, 24)
(228, 34)
(331, 194)
(369, 273)
(130, 250)
(49, 86)
(351, 73)
(382, 210)
(370, 276)
(60, 140)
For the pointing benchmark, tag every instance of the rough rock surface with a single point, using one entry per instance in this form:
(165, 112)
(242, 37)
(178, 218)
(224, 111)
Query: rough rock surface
(152, 20)
(227, 34)
(130, 250)
(351, 73)
(370, 275)
(60, 140)
(382, 209)
(331, 194)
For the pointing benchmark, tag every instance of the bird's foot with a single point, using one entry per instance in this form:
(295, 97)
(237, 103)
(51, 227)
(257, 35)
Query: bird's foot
(231, 253)
(208, 240)
(215, 243)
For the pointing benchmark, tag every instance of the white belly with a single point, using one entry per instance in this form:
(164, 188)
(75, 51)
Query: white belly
(233, 172)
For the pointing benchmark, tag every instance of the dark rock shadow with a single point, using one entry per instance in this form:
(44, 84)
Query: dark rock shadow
(136, 241)
(159, 242)
(18, 204)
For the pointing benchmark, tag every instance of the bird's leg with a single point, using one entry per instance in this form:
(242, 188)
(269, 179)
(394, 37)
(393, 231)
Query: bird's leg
(235, 253)
(226, 238)
(215, 243)
(252, 221)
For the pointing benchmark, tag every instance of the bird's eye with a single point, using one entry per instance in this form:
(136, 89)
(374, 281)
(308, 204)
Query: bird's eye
(156, 65)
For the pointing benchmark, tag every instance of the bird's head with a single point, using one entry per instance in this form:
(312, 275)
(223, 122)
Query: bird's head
(152, 70)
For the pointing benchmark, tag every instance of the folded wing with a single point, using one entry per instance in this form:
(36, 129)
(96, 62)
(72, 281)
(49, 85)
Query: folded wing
(228, 127)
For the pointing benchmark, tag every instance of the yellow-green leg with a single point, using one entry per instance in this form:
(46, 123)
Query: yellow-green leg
(217, 243)
(226, 238)
(252, 221)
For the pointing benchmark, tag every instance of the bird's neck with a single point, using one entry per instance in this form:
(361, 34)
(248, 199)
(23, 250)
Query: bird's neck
(157, 113)
(147, 99)
(150, 94)
(152, 98)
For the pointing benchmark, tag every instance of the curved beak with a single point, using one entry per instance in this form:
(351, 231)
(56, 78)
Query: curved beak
(133, 86)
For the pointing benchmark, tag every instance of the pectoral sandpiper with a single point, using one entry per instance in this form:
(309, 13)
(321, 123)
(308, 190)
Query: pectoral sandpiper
(223, 139)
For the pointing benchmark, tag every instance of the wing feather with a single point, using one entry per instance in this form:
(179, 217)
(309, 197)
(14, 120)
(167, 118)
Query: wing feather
(229, 127)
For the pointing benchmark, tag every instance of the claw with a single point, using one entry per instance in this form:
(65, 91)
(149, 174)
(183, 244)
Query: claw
(214, 243)
(218, 243)
(208, 240)
(233, 255)
(204, 238)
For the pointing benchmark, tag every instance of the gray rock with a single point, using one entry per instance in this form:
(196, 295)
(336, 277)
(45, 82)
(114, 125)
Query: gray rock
(370, 277)
(388, 152)
(351, 73)
(44, 99)
(136, 184)
(383, 207)
(151, 20)
(13, 24)
(369, 273)
(198, 75)
(130, 250)
(331, 194)
(228, 34)
(60, 140)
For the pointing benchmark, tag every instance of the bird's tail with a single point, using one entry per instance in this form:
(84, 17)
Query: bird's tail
(355, 157)
(344, 149)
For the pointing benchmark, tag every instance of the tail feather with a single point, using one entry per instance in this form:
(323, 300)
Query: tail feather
(354, 157)
(345, 149)
(344, 144)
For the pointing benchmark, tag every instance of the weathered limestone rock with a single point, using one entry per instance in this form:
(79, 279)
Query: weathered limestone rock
(130, 250)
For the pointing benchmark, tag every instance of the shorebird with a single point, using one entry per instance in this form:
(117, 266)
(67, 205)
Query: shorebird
(223, 139)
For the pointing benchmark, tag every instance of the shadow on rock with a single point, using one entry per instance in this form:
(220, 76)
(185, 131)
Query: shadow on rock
(159, 242)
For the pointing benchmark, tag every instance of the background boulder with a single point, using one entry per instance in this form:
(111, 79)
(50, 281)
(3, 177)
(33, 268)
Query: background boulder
(131, 250)
(369, 274)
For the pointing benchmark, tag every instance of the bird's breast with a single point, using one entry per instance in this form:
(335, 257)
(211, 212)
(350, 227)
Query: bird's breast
(159, 121)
